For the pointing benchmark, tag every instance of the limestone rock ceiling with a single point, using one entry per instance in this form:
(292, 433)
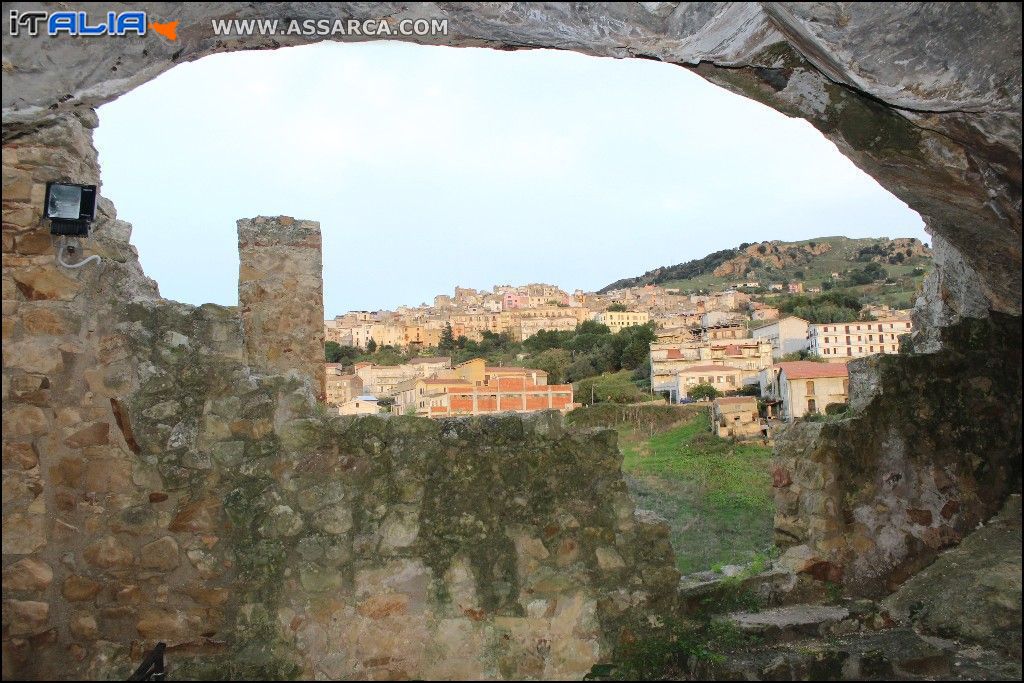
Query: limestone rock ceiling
(924, 97)
(929, 58)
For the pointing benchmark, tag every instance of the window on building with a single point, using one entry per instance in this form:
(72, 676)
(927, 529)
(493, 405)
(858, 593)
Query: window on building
(810, 387)
(812, 406)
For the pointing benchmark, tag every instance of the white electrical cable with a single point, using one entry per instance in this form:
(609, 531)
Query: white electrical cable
(62, 245)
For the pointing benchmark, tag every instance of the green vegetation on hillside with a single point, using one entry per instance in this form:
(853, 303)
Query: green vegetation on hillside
(716, 494)
(682, 271)
(612, 387)
(830, 307)
(874, 270)
(567, 356)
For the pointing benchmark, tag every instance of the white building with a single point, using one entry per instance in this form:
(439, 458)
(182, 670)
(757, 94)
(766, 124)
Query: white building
(360, 405)
(840, 342)
(798, 388)
(786, 335)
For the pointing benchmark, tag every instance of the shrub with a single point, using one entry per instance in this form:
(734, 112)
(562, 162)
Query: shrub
(703, 391)
(836, 408)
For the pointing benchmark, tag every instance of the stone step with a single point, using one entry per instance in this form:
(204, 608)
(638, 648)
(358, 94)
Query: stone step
(794, 622)
(715, 592)
(892, 654)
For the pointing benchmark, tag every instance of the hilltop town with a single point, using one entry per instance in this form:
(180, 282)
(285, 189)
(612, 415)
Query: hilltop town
(784, 340)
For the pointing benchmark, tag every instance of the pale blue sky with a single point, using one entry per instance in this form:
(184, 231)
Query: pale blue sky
(429, 167)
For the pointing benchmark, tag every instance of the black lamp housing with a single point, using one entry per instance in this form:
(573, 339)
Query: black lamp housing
(70, 207)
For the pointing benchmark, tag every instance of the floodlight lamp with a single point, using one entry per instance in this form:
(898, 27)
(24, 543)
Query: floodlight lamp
(70, 207)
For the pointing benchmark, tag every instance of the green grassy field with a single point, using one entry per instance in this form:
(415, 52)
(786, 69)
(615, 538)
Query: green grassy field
(715, 494)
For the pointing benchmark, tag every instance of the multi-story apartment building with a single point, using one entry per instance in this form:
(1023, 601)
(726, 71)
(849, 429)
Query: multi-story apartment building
(842, 342)
(668, 360)
(420, 336)
(472, 325)
(619, 320)
(428, 366)
(786, 335)
(334, 332)
(513, 300)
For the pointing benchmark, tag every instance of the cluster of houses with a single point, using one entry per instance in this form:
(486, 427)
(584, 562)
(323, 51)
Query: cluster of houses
(432, 387)
(724, 339)
(746, 365)
(521, 312)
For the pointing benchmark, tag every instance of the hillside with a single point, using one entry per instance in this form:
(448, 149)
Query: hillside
(906, 260)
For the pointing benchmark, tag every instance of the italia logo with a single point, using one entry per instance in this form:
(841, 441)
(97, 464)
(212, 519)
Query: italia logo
(80, 24)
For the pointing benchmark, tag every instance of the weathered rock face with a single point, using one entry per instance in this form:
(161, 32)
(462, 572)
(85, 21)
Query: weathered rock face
(925, 98)
(971, 592)
(932, 448)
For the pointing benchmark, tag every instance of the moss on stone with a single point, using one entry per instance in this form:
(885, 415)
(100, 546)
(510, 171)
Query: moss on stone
(869, 126)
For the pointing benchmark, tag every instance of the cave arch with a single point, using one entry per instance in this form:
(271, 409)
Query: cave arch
(925, 99)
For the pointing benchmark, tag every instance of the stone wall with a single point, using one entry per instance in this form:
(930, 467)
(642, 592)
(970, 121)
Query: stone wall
(931, 448)
(280, 296)
(169, 476)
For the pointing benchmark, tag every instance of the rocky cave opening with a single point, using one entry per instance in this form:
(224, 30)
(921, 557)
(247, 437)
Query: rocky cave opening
(231, 521)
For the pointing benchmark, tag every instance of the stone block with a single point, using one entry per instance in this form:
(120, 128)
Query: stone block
(27, 574)
(280, 296)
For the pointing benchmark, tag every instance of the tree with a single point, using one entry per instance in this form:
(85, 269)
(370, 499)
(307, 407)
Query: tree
(493, 341)
(332, 352)
(580, 369)
(592, 327)
(617, 308)
(447, 342)
(371, 346)
(703, 391)
(634, 355)
(546, 339)
(610, 388)
(555, 362)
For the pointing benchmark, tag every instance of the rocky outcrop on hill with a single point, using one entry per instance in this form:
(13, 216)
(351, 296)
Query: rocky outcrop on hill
(895, 251)
(774, 254)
